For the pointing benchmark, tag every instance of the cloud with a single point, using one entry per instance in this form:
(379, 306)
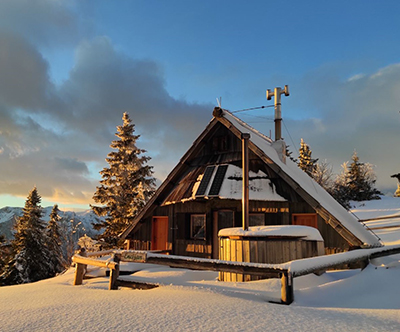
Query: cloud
(24, 80)
(57, 135)
(54, 136)
(360, 113)
(105, 83)
(47, 23)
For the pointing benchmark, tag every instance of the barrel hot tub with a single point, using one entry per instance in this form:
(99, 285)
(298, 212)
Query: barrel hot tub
(267, 244)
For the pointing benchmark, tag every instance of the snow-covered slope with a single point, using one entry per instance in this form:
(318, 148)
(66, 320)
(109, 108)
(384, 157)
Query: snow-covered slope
(382, 217)
(7, 217)
(195, 301)
(384, 207)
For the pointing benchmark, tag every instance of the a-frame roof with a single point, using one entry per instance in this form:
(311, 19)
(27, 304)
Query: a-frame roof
(338, 217)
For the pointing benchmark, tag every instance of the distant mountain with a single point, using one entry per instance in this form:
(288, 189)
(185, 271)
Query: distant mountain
(75, 224)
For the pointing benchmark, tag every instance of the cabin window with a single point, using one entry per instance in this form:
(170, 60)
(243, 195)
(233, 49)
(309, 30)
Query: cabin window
(256, 219)
(198, 226)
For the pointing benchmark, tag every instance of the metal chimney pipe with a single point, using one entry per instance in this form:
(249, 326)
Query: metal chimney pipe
(278, 114)
(245, 190)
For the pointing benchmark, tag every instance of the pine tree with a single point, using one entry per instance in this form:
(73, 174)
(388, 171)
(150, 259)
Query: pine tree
(126, 184)
(361, 181)
(340, 189)
(55, 241)
(397, 176)
(31, 259)
(356, 183)
(306, 163)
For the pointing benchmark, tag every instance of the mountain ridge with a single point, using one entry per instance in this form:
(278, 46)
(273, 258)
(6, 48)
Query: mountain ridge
(76, 222)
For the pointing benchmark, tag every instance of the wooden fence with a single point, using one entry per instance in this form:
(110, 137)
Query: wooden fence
(82, 262)
(287, 271)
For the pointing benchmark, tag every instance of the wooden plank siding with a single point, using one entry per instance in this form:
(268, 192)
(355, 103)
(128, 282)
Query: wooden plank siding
(266, 250)
(193, 248)
(275, 213)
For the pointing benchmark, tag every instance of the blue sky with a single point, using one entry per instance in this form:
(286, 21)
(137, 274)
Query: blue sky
(69, 69)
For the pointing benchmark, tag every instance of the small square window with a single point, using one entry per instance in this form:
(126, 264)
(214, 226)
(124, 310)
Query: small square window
(198, 226)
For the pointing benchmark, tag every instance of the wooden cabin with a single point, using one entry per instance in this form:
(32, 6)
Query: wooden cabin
(202, 195)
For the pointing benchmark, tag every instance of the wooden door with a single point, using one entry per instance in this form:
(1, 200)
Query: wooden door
(305, 219)
(221, 219)
(160, 233)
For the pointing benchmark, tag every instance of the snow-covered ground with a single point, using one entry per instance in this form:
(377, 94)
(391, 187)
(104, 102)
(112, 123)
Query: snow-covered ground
(383, 217)
(195, 301)
(367, 300)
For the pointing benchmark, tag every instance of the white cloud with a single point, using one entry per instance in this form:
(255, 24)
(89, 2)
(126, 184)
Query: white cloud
(356, 77)
(360, 114)
(50, 134)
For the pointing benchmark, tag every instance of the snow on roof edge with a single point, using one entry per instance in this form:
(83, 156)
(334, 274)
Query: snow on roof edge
(296, 231)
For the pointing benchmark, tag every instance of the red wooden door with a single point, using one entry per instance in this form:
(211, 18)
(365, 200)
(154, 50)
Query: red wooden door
(305, 219)
(160, 233)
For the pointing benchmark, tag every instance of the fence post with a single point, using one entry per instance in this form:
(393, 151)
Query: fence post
(287, 295)
(114, 273)
(79, 273)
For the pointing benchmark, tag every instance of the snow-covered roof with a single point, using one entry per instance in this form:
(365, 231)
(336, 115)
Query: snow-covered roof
(349, 221)
(295, 231)
(260, 186)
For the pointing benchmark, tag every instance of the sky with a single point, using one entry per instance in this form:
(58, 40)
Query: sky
(69, 69)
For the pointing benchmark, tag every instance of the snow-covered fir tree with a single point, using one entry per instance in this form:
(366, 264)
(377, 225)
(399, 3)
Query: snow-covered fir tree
(340, 187)
(55, 241)
(305, 162)
(31, 257)
(356, 182)
(89, 244)
(126, 184)
(361, 181)
(397, 176)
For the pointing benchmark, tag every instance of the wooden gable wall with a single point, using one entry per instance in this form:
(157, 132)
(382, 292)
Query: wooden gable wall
(221, 146)
(213, 152)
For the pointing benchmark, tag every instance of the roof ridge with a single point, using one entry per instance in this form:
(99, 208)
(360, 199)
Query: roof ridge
(246, 125)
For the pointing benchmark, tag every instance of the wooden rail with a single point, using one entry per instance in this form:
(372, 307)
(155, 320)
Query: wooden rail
(287, 271)
(393, 216)
(194, 263)
(306, 266)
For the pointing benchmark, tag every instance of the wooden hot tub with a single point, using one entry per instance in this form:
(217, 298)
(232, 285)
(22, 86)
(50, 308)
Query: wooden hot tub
(267, 244)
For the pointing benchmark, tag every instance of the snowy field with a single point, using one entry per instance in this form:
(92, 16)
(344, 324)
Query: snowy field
(195, 301)
(367, 300)
(387, 214)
